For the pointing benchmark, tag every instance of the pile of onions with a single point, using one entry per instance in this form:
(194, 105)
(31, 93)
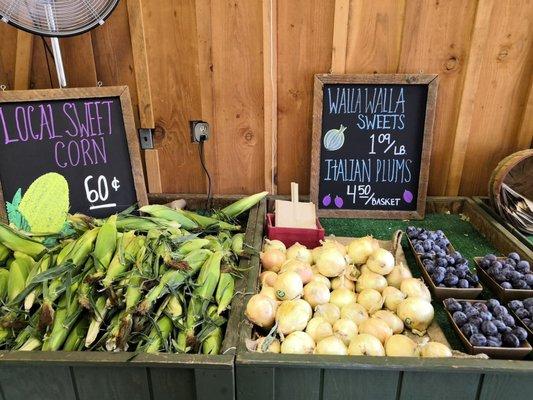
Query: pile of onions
(333, 244)
(274, 244)
(299, 252)
(316, 293)
(371, 300)
(345, 329)
(272, 259)
(398, 274)
(401, 346)
(298, 343)
(366, 345)
(356, 312)
(392, 297)
(413, 287)
(268, 278)
(381, 261)
(392, 320)
(435, 349)
(342, 296)
(318, 328)
(331, 263)
(377, 328)
(330, 312)
(301, 268)
(293, 315)
(370, 280)
(416, 313)
(331, 345)
(342, 281)
(360, 249)
(322, 279)
(288, 286)
(261, 310)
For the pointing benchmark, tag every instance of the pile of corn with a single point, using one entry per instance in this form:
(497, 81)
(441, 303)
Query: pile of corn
(152, 283)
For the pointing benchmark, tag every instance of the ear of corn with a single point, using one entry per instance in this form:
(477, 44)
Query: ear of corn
(191, 245)
(44, 263)
(33, 343)
(17, 278)
(225, 291)
(83, 247)
(4, 254)
(208, 222)
(119, 331)
(240, 206)
(65, 252)
(105, 244)
(17, 242)
(159, 334)
(120, 261)
(65, 318)
(213, 343)
(4, 277)
(145, 224)
(99, 314)
(237, 244)
(164, 212)
(75, 338)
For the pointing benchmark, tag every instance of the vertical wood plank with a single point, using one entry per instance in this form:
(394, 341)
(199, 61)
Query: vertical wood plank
(114, 383)
(436, 39)
(31, 382)
(172, 383)
(153, 171)
(305, 37)
(172, 48)
(23, 60)
(40, 77)
(140, 61)
(254, 382)
(215, 383)
(297, 384)
(340, 36)
(504, 82)
(374, 36)
(270, 91)
(442, 386)
(506, 386)
(371, 385)
(525, 133)
(8, 38)
(78, 59)
(480, 35)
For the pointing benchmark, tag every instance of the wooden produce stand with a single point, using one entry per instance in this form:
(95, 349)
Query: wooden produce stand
(87, 375)
(282, 376)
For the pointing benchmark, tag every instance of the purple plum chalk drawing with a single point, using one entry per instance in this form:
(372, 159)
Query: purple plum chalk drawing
(326, 200)
(407, 196)
(339, 201)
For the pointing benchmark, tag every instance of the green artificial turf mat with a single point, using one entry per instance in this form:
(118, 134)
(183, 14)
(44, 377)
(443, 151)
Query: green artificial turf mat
(461, 233)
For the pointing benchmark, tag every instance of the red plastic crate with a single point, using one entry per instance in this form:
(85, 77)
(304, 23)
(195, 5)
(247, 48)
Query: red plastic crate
(310, 238)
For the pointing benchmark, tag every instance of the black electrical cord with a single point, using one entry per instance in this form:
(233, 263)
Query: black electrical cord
(202, 161)
(47, 48)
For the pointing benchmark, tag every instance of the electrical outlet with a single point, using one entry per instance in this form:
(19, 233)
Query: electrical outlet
(199, 131)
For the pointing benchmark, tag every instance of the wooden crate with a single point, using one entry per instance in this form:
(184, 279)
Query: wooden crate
(309, 377)
(129, 376)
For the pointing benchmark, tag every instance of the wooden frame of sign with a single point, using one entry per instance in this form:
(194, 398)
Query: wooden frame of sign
(431, 81)
(121, 92)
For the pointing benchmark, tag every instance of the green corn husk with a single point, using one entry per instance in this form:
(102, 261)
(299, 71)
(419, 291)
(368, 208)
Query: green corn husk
(237, 244)
(17, 278)
(240, 206)
(191, 245)
(158, 335)
(124, 256)
(118, 332)
(213, 342)
(83, 247)
(44, 263)
(65, 318)
(173, 279)
(99, 314)
(146, 224)
(18, 242)
(106, 242)
(4, 254)
(33, 343)
(76, 336)
(4, 277)
(65, 252)
(225, 291)
(208, 222)
(164, 212)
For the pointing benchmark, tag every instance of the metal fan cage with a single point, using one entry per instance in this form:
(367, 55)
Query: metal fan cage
(56, 18)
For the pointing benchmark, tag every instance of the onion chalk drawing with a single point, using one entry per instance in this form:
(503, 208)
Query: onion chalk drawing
(339, 202)
(407, 196)
(334, 138)
(326, 200)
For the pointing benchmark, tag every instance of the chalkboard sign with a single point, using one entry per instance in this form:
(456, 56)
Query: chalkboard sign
(68, 148)
(371, 144)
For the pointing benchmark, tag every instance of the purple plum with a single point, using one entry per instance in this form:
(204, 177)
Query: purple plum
(407, 196)
(339, 201)
(326, 200)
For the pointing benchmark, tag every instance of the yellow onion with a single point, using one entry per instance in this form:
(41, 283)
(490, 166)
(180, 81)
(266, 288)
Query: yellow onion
(331, 345)
(416, 313)
(298, 343)
(401, 346)
(345, 330)
(261, 310)
(272, 259)
(288, 286)
(316, 293)
(370, 280)
(381, 261)
(398, 274)
(330, 312)
(269, 292)
(392, 297)
(331, 263)
(333, 244)
(342, 296)
(435, 349)
(293, 315)
(413, 287)
(376, 327)
(352, 272)
(371, 300)
(318, 328)
(317, 277)
(391, 319)
(301, 268)
(355, 312)
(268, 278)
(341, 281)
(360, 249)
(366, 345)
(299, 252)
(274, 244)
(315, 253)
(273, 347)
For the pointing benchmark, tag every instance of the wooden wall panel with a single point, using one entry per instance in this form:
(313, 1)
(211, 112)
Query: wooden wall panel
(305, 35)
(436, 40)
(237, 57)
(8, 40)
(170, 29)
(501, 97)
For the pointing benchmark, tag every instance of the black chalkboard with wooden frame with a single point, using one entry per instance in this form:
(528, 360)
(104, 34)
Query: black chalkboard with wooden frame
(371, 144)
(86, 135)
